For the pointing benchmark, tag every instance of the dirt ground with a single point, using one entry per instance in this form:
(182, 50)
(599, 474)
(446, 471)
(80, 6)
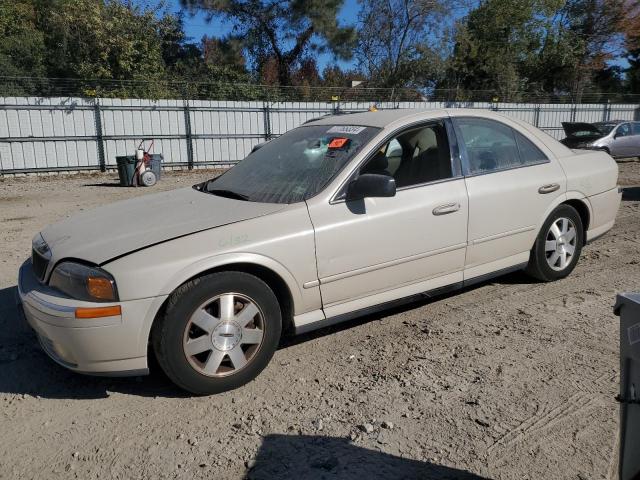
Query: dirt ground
(511, 379)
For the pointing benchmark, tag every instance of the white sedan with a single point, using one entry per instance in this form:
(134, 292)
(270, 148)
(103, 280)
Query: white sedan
(338, 217)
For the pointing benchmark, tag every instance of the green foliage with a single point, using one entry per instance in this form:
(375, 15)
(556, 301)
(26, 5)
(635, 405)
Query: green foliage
(510, 48)
(22, 49)
(402, 49)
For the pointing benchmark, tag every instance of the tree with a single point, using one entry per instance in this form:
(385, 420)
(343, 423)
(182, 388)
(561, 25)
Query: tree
(496, 46)
(631, 30)
(105, 40)
(395, 38)
(284, 32)
(592, 28)
(22, 49)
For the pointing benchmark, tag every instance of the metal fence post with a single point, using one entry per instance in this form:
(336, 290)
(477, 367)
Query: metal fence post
(266, 115)
(606, 112)
(536, 116)
(189, 135)
(97, 117)
(574, 111)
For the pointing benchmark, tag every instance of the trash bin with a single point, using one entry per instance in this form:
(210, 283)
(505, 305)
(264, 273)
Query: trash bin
(126, 169)
(628, 307)
(155, 164)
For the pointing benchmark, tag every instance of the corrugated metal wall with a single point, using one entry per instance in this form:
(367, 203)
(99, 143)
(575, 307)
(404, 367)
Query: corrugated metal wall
(53, 134)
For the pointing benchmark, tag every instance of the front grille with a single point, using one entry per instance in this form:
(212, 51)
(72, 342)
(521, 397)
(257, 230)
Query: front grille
(39, 265)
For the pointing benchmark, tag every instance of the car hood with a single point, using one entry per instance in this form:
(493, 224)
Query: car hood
(571, 128)
(114, 230)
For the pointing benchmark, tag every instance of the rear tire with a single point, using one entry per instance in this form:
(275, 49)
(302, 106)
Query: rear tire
(218, 333)
(558, 245)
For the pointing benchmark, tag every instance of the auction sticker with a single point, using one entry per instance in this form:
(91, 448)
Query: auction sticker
(353, 130)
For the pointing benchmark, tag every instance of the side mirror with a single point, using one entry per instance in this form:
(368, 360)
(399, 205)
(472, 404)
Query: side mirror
(371, 185)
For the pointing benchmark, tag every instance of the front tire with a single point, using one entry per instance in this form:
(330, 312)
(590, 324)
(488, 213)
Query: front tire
(218, 333)
(558, 245)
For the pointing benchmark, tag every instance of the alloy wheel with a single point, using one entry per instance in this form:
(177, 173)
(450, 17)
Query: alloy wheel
(560, 244)
(224, 334)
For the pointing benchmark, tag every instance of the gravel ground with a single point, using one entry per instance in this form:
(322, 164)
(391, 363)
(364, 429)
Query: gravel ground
(510, 379)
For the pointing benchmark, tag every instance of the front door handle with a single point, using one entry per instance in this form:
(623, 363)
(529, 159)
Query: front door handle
(552, 187)
(446, 208)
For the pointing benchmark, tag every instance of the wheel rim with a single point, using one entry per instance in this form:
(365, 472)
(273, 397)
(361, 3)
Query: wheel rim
(224, 334)
(560, 244)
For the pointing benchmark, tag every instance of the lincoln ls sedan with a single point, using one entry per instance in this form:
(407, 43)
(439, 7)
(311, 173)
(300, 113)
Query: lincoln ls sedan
(336, 218)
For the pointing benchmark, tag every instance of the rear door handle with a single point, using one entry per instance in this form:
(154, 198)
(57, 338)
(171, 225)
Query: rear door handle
(446, 208)
(552, 187)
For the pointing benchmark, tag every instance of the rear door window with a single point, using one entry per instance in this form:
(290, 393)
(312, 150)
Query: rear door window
(493, 146)
(529, 153)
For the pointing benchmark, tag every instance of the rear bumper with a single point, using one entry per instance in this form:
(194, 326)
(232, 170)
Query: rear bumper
(101, 346)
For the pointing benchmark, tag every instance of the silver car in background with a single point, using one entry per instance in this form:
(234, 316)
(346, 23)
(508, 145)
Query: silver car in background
(618, 138)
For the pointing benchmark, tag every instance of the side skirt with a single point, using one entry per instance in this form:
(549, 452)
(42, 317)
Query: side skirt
(405, 300)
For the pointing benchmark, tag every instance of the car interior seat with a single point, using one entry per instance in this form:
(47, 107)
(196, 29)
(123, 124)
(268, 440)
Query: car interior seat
(427, 160)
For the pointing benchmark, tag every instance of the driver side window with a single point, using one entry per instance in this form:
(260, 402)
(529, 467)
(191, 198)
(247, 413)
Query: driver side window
(624, 130)
(418, 155)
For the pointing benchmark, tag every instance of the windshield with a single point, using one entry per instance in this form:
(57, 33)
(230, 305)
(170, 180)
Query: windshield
(294, 166)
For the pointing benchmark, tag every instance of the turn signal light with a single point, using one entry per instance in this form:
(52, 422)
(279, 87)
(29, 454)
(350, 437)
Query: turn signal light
(100, 287)
(98, 312)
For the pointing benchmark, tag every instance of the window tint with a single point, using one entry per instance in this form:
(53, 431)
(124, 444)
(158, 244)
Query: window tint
(416, 156)
(493, 146)
(635, 128)
(529, 153)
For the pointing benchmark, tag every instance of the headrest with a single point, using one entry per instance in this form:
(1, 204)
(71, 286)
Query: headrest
(425, 138)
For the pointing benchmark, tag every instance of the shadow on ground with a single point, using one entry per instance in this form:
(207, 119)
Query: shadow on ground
(515, 278)
(314, 457)
(631, 194)
(26, 369)
(115, 184)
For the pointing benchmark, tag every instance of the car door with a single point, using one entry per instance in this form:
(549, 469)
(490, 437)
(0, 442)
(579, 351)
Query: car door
(624, 141)
(511, 184)
(375, 250)
(634, 150)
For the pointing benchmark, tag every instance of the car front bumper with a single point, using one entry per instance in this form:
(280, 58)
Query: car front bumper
(114, 346)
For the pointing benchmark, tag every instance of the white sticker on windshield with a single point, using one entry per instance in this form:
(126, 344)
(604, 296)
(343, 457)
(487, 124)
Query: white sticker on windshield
(353, 130)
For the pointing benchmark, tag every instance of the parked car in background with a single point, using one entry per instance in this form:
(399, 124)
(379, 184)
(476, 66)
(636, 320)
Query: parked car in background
(333, 219)
(618, 138)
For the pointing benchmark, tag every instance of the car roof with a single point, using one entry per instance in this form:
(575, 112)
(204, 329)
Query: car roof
(614, 122)
(379, 118)
(393, 117)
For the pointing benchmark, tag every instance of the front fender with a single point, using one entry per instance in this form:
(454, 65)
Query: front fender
(229, 259)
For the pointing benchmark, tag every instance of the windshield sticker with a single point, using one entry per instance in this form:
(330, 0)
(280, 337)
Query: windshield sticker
(353, 130)
(338, 142)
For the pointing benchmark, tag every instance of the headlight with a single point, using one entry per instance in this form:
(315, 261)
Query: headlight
(83, 282)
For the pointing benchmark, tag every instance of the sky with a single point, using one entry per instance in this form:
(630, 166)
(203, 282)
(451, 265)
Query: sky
(196, 26)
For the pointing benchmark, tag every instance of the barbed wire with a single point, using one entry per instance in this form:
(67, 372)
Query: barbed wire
(155, 89)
